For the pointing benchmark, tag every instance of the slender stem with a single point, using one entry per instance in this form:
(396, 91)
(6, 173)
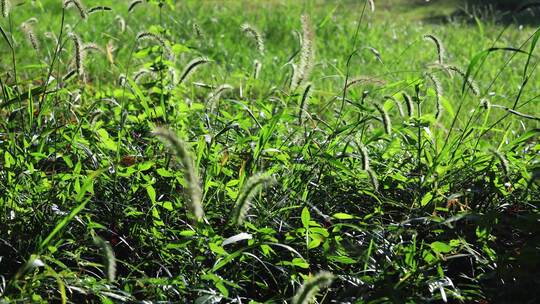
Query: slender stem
(347, 72)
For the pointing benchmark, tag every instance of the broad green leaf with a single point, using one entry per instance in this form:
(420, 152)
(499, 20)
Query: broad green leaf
(343, 216)
(305, 217)
(217, 249)
(426, 199)
(151, 193)
(164, 172)
(440, 247)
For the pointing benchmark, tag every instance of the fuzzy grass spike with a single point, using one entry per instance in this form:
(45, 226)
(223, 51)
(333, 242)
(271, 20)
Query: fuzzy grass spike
(385, 119)
(191, 66)
(192, 179)
(78, 6)
(253, 185)
(5, 6)
(304, 103)
(78, 53)
(438, 93)
(311, 286)
(307, 55)
(133, 5)
(28, 29)
(255, 34)
(409, 104)
(438, 45)
(109, 259)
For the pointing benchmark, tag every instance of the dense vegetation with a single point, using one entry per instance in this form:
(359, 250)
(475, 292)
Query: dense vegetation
(266, 152)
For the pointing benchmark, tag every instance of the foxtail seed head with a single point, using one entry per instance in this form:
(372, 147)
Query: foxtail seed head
(109, 260)
(307, 54)
(505, 166)
(91, 46)
(156, 38)
(121, 23)
(365, 158)
(96, 9)
(398, 105)
(141, 73)
(373, 179)
(78, 5)
(5, 6)
(192, 179)
(28, 29)
(133, 4)
(197, 30)
(254, 33)
(409, 104)
(385, 119)
(253, 185)
(304, 103)
(214, 96)
(484, 103)
(438, 93)
(191, 66)
(365, 79)
(371, 5)
(150, 36)
(470, 82)
(257, 69)
(311, 286)
(78, 53)
(438, 45)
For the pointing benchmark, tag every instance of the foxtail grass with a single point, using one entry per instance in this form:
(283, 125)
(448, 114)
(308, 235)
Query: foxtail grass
(214, 96)
(257, 69)
(78, 6)
(133, 4)
(5, 7)
(408, 103)
(78, 53)
(138, 75)
(385, 119)
(191, 66)
(91, 46)
(183, 153)
(197, 30)
(438, 45)
(96, 9)
(110, 48)
(373, 179)
(505, 166)
(69, 74)
(484, 103)
(255, 34)
(304, 102)
(365, 157)
(365, 79)
(437, 87)
(28, 29)
(109, 259)
(122, 80)
(312, 285)
(371, 5)
(158, 39)
(397, 103)
(121, 23)
(307, 55)
(243, 203)
(470, 82)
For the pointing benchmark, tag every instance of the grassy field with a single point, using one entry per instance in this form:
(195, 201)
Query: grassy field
(268, 152)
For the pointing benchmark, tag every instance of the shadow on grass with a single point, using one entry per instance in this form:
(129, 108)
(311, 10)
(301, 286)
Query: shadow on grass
(517, 12)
